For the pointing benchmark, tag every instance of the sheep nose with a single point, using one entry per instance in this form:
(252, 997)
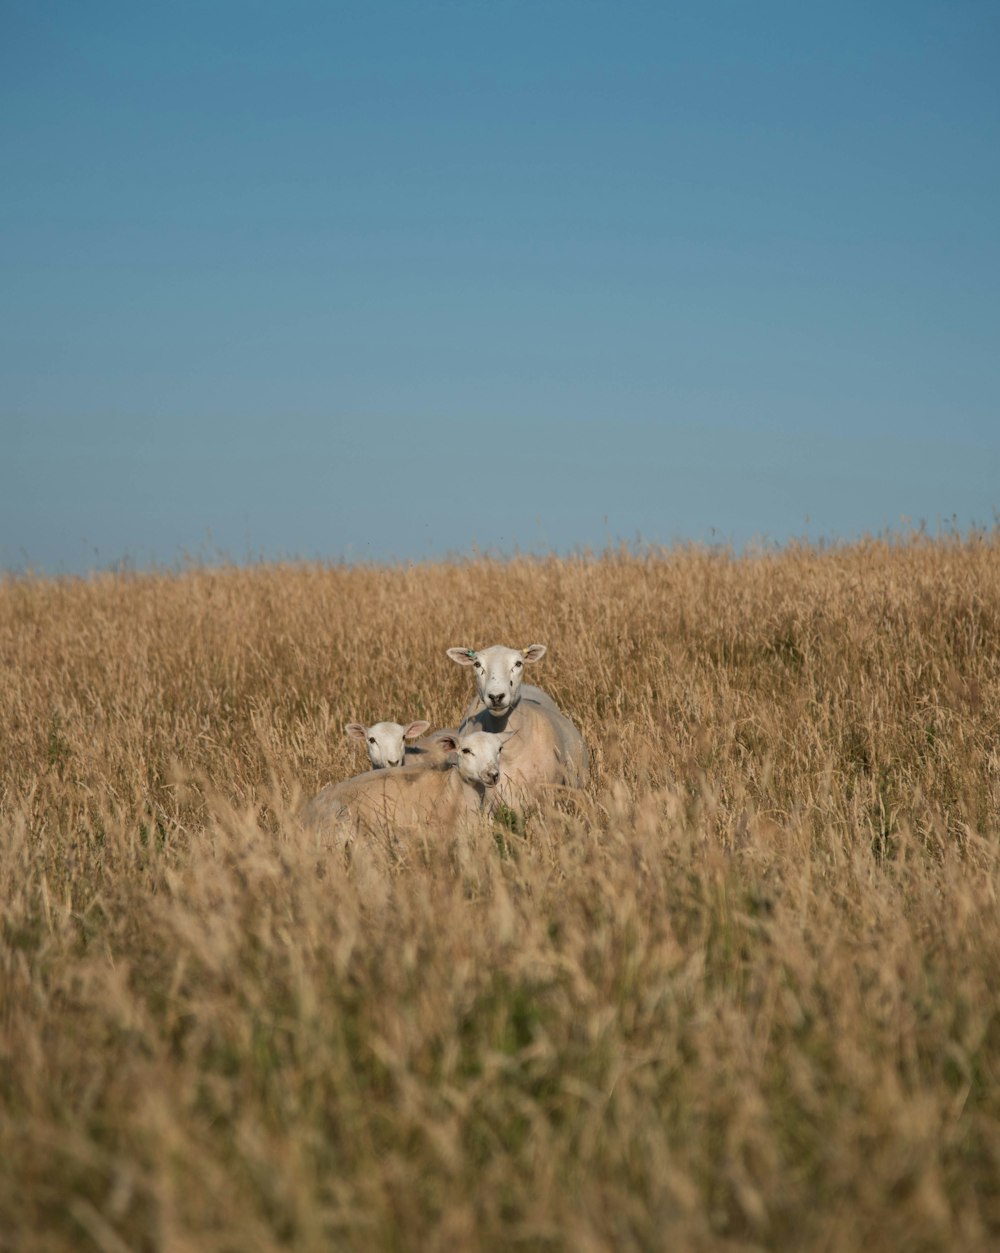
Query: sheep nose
(496, 698)
(493, 775)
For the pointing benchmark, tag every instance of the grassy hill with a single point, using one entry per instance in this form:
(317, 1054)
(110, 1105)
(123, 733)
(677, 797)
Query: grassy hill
(743, 993)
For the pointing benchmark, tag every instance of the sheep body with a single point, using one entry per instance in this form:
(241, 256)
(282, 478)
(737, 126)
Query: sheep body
(441, 796)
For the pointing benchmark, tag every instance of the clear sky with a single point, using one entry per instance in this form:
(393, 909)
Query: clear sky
(386, 280)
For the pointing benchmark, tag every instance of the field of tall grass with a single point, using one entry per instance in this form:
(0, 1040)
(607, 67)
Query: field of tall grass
(742, 993)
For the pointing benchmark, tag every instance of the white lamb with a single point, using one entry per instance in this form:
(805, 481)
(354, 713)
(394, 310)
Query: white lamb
(547, 749)
(442, 796)
(385, 741)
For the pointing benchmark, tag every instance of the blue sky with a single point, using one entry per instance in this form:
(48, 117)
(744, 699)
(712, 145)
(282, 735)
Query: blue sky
(386, 281)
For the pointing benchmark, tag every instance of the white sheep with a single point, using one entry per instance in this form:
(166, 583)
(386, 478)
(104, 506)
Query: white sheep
(547, 748)
(441, 796)
(385, 741)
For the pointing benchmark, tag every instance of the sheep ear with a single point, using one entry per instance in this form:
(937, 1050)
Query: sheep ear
(463, 656)
(415, 729)
(448, 743)
(356, 731)
(534, 652)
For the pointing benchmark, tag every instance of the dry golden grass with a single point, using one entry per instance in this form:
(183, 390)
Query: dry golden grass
(742, 993)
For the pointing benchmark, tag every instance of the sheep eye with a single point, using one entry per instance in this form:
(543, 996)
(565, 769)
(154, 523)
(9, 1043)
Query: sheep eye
(371, 739)
(468, 751)
(518, 665)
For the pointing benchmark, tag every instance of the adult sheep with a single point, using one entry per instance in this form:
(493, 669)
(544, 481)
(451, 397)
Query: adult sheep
(547, 749)
(442, 795)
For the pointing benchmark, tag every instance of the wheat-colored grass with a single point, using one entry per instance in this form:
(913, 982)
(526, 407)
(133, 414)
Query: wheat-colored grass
(742, 993)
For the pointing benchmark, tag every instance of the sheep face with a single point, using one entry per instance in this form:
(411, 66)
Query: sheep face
(385, 740)
(477, 756)
(499, 672)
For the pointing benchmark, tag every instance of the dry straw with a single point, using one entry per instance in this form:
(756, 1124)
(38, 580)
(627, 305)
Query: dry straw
(740, 994)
